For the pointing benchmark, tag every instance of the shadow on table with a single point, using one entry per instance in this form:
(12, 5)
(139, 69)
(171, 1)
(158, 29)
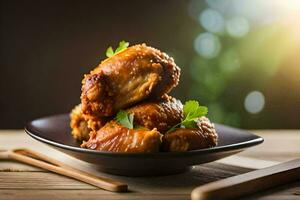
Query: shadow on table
(184, 182)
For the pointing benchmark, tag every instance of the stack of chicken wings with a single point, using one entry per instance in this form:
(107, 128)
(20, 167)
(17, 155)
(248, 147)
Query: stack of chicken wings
(137, 81)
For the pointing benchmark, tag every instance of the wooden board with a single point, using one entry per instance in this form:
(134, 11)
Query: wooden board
(19, 181)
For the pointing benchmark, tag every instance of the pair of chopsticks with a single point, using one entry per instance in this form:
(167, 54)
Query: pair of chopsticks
(39, 160)
(249, 183)
(228, 188)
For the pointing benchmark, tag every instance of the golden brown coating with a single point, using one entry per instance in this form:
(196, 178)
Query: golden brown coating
(82, 127)
(117, 138)
(183, 139)
(79, 126)
(160, 114)
(126, 78)
(94, 122)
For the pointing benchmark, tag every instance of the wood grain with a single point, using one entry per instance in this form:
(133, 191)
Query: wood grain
(39, 180)
(287, 192)
(34, 183)
(248, 183)
(42, 161)
(184, 183)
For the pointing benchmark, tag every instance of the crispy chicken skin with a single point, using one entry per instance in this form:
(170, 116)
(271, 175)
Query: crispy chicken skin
(117, 138)
(161, 114)
(95, 123)
(79, 126)
(136, 79)
(126, 78)
(190, 139)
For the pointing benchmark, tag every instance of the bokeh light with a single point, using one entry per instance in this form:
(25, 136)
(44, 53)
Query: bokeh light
(254, 102)
(207, 45)
(237, 27)
(243, 44)
(212, 21)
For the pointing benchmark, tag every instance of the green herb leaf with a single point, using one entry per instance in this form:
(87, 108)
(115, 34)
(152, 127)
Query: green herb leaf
(122, 45)
(125, 119)
(190, 106)
(191, 111)
(109, 52)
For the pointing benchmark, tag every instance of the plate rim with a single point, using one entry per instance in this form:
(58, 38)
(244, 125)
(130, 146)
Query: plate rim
(225, 148)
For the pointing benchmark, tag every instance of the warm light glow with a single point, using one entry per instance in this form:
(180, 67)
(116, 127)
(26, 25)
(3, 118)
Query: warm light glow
(237, 27)
(244, 42)
(287, 5)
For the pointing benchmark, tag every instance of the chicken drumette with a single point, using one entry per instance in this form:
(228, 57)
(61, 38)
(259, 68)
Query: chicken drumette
(126, 78)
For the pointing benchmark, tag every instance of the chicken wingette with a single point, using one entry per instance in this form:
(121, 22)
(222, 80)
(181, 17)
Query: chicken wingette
(127, 78)
(186, 139)
(161, 114)
(116, 138)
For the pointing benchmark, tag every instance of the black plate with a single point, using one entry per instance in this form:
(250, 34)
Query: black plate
(55, 131)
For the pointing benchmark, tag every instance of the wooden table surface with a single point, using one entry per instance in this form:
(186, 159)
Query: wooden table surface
(20, 181)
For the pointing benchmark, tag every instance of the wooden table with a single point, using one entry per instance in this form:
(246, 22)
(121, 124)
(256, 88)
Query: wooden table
(20, 181)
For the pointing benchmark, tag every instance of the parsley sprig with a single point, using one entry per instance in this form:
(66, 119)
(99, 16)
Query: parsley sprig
(122, 45)
(125, 119)
(191, 112)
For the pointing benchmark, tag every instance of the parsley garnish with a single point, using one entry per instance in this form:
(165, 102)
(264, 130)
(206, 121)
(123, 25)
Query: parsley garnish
(191, 112)
(122, 45)
(125, 119)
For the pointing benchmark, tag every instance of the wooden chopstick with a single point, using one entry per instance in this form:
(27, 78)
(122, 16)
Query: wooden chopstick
(44, 162)
(249, 183)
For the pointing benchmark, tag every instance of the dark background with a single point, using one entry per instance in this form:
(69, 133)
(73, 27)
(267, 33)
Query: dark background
(47, 46)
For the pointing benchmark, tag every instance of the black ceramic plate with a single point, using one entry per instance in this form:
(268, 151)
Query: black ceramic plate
(55, 131)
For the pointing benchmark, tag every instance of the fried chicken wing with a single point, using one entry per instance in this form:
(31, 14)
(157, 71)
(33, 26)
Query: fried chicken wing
(184, 139)
(117, 138)
(95, 123)
(126, 78)
(161, 114)
(136, 79)
(79, 125)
